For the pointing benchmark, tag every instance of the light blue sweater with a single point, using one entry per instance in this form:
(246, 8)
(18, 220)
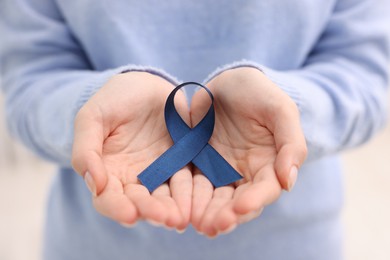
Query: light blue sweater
(330, 56)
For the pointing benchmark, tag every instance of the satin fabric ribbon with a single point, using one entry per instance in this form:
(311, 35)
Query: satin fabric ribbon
(190, 145)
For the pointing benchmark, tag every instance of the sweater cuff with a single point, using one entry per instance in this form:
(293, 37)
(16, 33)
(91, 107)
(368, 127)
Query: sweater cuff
(101, 78)
(281, 79)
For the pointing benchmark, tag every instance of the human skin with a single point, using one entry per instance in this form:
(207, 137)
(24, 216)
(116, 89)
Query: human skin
(118, 133)
(121, 130)
(257, 130)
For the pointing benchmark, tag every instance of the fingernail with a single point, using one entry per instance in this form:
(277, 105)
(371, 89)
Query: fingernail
(90, 183)
(167, 227)
(213, 236)
(230, 229)
(199, 232)
(155, 223)
(180, 231)
(292, 178)
(127, 225)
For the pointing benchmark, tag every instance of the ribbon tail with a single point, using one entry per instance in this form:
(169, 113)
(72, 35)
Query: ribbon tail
(172, 160)
(215, 167)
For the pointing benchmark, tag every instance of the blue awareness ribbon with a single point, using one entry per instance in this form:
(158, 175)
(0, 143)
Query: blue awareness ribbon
(190, 145)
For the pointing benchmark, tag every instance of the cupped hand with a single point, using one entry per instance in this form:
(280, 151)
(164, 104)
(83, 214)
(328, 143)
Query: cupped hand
(118, 133)
(257, 130)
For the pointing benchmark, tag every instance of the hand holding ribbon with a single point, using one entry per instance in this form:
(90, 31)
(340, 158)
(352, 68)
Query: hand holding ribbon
(257, 131)
(118, 133)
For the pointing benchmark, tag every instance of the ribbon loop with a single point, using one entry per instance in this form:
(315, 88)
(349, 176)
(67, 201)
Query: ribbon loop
(190, 145)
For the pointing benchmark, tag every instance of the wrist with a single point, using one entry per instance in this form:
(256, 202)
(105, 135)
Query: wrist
(151, 71)
(144, 77)
(232, 66)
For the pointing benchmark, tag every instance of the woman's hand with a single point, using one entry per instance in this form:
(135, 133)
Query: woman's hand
(118, 133)
(257, 130)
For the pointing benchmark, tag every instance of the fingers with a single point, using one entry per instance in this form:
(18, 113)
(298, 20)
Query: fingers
(163, 195)
(135, 202)
(225, 213)
(221, 197)
(114, 204)
(149, 207)
(220, 217)
(227, 220)
(87, 149)
(250, 216)
(126, 204)
(201, 197)
(168, 205)
(206, 216)
(253, 196)
(181, 191)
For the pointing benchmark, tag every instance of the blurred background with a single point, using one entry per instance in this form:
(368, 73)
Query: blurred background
(25, 180)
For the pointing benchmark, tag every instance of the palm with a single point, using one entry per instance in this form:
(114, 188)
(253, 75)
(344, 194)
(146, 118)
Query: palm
(131, 147)
(244, 142)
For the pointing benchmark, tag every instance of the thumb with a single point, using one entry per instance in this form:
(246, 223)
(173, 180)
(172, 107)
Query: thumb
(200, 104)
(288, 161)
(87, 149)
(291, 147)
